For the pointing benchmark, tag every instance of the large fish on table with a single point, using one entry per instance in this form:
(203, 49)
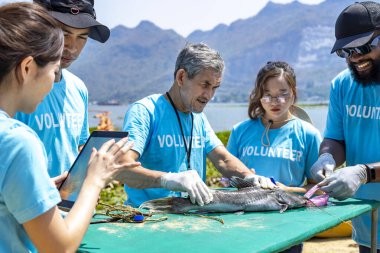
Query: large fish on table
(246, 198)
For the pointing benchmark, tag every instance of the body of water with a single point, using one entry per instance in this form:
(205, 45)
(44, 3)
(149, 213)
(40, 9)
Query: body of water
(221, 116)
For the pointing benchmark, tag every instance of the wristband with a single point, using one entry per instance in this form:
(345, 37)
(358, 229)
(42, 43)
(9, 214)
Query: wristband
(371, 173)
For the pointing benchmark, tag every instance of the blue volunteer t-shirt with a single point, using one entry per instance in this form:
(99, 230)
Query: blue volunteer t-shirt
(26, 190)
(354, 116)
(293, 149)
(154, 128)
(61, 122)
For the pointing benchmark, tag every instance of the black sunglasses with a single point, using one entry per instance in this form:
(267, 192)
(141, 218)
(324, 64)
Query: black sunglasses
(364, 49)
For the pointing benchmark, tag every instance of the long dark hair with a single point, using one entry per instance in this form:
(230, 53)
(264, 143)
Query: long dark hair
(26, 29)
(270, 70)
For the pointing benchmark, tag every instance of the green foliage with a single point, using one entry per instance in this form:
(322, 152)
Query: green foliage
(114, 194)
(212, 174)
(92, 129)
(224, 136)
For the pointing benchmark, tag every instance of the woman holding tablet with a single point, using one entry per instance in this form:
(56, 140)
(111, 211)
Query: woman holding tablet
(30, 49)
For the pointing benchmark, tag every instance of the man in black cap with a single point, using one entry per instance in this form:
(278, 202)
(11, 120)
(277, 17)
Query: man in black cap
(61, 120)
(352, 132)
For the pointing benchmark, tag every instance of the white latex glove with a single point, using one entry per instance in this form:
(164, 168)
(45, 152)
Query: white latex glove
(260, 181)
(344, 182)
(190, 182)
(323, 167)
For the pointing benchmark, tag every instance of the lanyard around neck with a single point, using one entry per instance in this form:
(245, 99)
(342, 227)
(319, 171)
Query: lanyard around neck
(188, 150)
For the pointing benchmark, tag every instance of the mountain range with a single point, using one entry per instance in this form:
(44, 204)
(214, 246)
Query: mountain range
(136, 62)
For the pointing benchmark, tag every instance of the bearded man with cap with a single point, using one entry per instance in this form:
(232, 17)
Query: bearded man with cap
(61, 120)
(352, 132)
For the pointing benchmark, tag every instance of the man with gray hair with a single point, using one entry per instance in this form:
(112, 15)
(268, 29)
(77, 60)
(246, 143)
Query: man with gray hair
(172, 136)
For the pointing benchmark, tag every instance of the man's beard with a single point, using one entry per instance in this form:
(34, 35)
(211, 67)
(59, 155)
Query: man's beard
(371, 78)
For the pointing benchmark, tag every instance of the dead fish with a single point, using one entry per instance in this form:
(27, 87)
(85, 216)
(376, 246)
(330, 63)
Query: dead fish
(246, 198)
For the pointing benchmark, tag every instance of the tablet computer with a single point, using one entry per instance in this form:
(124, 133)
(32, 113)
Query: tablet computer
(70, 187)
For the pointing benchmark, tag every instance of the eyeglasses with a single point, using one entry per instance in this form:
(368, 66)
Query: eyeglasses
(365, 49)
(282, 99)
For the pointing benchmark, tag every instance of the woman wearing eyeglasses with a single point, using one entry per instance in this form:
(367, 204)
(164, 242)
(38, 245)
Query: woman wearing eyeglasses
(273, 141)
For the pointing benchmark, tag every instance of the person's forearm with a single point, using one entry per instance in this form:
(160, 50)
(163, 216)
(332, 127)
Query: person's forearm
(335, 148)
(294, 189)
(300, 189)
(231, 166)
(79, 217)
(227, 164)
(66, 235)
(373, 172)
(140, 178)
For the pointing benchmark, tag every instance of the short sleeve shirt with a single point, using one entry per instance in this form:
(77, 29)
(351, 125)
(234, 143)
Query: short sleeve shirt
(153, 127)
(26, 190)
(354, 117)
(292, 151)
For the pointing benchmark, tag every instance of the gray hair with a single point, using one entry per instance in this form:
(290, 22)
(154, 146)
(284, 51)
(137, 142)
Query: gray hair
(197, 57)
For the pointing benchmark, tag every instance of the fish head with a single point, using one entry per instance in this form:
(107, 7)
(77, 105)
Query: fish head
(291, 199)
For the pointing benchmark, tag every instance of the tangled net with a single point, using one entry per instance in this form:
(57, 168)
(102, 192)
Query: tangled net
(123, 213)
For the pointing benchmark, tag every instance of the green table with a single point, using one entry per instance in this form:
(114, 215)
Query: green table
(248, 232)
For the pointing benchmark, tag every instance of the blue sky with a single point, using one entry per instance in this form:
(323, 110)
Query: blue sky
(182, 16)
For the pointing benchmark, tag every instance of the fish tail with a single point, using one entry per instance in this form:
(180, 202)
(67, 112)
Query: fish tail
(168, 205)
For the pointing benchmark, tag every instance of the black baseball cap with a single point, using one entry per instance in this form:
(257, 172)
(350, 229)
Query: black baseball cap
(77, 14)
(356, 25)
